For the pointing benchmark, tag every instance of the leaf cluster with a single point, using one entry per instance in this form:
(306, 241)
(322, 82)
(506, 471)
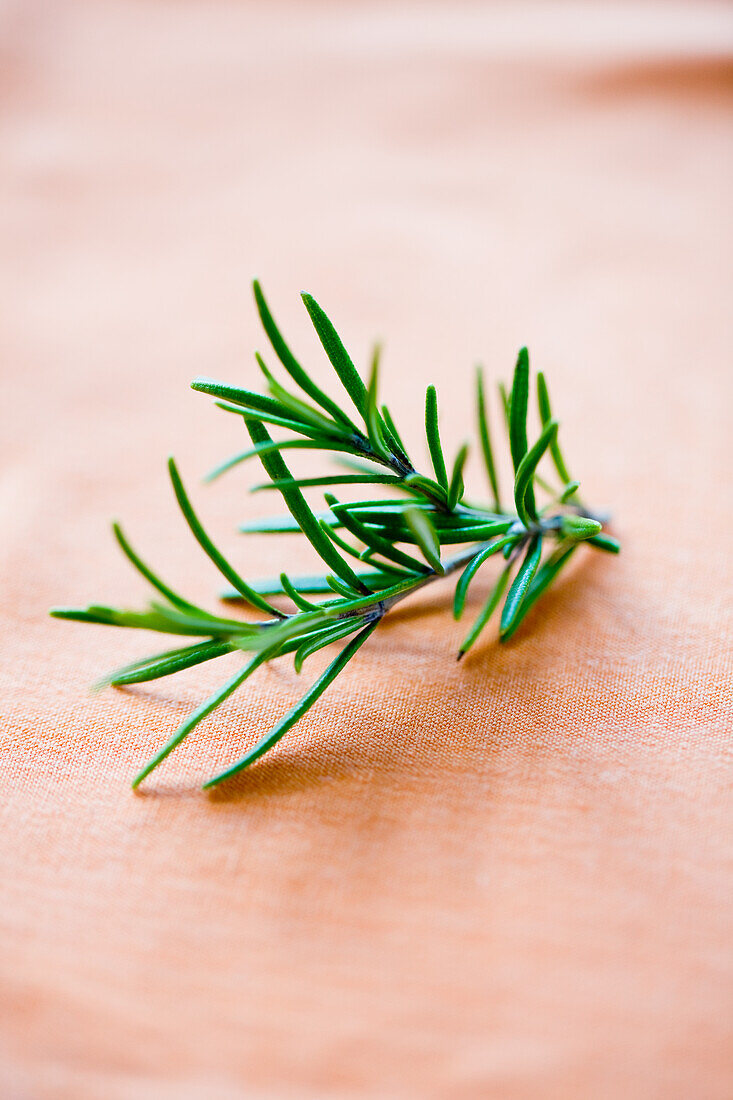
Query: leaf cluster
(375, 551)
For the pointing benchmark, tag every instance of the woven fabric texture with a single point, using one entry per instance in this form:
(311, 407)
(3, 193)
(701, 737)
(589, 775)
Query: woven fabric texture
(509, 877)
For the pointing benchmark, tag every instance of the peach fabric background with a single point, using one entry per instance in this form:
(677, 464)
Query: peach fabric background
(509, 878)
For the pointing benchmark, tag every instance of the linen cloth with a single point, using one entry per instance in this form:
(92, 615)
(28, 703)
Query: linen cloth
(505, 878)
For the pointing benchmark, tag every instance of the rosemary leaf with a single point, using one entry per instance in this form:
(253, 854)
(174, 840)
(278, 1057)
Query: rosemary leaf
(333, 479)
(111, 679)
(297, 597)
(296, 713)
(223, 565)
(605, 542)
(523, 495)
(199, 714)
(147, 572)
(518, 409)
(281, 525)
(330, 634)
(268, 448)
(276, 469)
(486, 612)
(310, 584)
(456, 487)
(569, 491)
(433, 435)
(277, 420)
(425, 537)
(375, 427)
(545, 410)
(472, 569)
(545, 576)
(579, 528)
(337, 353)
(485, 437)
(387, 418)
(520, 584)
(175, 661)
(291, 364)
(374, 540)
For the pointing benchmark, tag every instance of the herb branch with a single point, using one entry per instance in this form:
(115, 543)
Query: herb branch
(376, 551)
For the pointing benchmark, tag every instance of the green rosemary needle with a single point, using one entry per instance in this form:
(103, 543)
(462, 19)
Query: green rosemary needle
(376, 552)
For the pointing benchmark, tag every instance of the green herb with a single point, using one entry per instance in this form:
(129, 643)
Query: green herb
(396, 545)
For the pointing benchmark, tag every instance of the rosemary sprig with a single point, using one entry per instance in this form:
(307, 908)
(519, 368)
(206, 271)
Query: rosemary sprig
(376, 551)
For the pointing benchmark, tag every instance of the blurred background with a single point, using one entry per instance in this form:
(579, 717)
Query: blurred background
(462, 916)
